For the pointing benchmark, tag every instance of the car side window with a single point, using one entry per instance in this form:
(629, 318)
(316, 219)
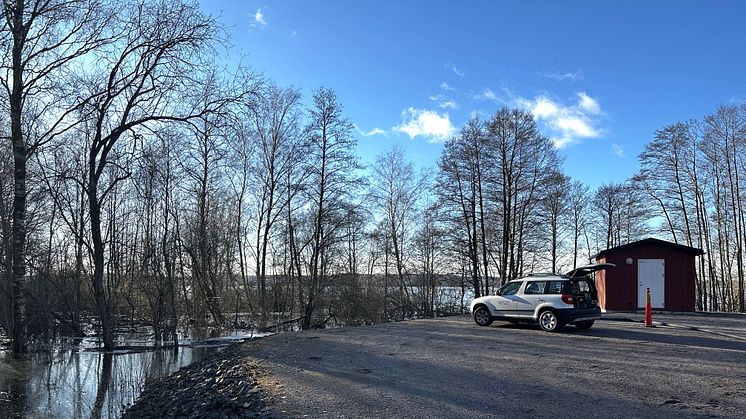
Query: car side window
(535, 287)
(554, 287)
(510, 288)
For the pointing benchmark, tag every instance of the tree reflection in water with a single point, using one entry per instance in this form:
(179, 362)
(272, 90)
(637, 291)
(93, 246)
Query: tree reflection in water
(81, 384)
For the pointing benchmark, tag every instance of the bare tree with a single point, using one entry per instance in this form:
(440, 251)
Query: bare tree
(152, 75)
(279, 149)
(395, 191)
(554, 205)
(523, 160)
(726, 132)
(578, 197)
(332, 180)
(41, 40)
(458, 197)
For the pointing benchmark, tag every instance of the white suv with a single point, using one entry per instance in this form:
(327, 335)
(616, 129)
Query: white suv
(549, 299)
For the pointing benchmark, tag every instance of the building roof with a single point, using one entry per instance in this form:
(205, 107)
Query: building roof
(657, 242)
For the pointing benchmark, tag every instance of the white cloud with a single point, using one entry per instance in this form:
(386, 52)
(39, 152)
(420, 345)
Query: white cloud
(562, 142)
(564, 124)
(544, 108)
(444, 102)
(446, 86)
(578, 75)
(588, 104)
(457, 71)
(293, 33)
(432, 125)
(618, 150)
(448, 104)
(487, 94)
(575, 126)
(259, 18)
(374, 131)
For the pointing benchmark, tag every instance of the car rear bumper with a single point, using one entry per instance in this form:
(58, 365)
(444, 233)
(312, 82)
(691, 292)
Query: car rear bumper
(570, 315)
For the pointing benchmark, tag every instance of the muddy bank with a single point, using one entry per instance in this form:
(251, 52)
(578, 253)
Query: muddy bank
(223, 385)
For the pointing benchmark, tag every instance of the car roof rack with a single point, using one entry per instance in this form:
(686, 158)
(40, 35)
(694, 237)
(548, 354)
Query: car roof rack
(538, 274)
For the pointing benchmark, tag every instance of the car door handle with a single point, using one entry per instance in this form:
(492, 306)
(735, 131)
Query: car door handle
(539, 299)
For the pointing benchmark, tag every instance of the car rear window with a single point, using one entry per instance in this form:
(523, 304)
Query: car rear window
(583, 286)
(578, 286)
(554, 287)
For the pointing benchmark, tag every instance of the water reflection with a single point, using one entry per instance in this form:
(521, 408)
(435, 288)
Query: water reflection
(75, 383)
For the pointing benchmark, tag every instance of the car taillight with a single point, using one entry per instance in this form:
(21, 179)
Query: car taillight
(567, 298)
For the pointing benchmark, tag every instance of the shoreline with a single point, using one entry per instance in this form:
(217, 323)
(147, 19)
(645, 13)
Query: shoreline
(223, 385)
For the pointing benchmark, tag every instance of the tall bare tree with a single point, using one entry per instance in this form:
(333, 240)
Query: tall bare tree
(333, 178)
(523, 160)
(155, 72)
(41, 41)
(554, 205)
(279, 150)
(396, 191)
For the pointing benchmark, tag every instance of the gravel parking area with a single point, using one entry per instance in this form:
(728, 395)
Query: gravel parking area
(452, 368)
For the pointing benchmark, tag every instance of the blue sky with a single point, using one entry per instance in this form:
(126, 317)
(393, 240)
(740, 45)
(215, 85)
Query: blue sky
(601, 77)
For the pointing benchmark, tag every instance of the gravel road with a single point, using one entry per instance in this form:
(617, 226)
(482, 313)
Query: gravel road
(451, 368)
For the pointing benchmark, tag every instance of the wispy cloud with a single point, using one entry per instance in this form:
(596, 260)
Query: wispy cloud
(259, 18)
(618, 150)
(433, 126)
(457, 71)
(444, 102)
(487, 94)
(564, 124)
(578, 75)
(449, 104)
(374, 131)
(446, 86)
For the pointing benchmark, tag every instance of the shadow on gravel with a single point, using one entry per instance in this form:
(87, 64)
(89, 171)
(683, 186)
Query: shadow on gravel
(416, 380)
(667, 336)
(663, 335)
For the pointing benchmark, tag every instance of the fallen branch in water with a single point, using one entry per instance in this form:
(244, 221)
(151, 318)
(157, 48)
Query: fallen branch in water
(274, 326)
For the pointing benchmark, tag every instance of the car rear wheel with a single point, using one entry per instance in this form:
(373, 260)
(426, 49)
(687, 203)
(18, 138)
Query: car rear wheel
(482, 316)
(584, 325)
(548, 321)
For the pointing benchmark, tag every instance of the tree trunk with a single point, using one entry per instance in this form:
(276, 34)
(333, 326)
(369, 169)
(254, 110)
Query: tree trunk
(18, 282)
(99, 292)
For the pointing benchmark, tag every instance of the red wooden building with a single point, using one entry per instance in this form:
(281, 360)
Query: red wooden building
(664, 267)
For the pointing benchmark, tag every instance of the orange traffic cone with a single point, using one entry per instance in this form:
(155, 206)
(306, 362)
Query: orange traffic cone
(648, 311)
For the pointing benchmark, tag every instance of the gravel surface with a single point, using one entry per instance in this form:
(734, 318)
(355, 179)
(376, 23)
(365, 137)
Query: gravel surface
(452, 368)
(222, 385)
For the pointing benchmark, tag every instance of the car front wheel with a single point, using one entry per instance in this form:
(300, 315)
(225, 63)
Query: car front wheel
(584, 325)
(482, 316)
(548, 321)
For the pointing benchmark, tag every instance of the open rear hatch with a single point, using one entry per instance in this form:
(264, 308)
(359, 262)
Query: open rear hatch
(583, 293)
(586, 270)
(582, 286)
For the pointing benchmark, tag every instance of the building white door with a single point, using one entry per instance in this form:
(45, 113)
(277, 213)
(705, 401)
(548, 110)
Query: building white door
(651, 274)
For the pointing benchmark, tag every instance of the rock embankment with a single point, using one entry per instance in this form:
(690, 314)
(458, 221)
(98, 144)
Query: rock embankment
(222, 385)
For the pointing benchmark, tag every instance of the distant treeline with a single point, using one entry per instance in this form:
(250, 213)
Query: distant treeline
(141, 175)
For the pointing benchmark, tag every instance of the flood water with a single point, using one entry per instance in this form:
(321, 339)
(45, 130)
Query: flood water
(75, 381)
